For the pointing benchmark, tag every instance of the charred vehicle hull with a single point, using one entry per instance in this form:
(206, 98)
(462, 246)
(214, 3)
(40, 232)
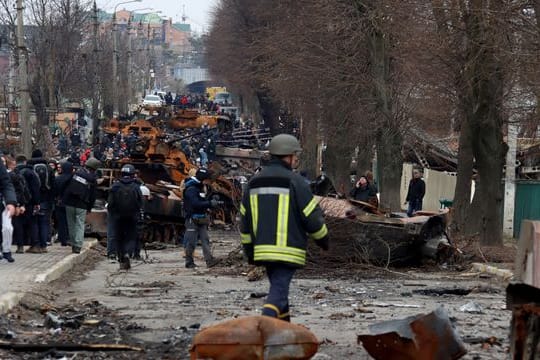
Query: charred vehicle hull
(361, 237)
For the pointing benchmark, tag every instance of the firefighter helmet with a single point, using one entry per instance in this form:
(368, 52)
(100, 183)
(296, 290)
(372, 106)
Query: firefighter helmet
(284, 144)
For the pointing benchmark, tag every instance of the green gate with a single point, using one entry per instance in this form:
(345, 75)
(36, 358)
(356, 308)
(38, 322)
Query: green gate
(527, 203)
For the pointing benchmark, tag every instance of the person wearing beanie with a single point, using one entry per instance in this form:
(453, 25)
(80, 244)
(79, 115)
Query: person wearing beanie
(195, 209)
(79, 198)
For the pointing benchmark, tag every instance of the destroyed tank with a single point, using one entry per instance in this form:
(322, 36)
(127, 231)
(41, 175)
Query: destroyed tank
(163, 168)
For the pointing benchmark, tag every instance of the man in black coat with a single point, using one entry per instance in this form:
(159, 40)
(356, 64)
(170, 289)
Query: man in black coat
(60, 185)
(415, 194)
(42, 225)
(26, 222)
(124, 208)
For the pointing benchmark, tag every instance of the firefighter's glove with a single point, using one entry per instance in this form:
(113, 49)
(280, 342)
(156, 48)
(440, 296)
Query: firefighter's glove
(323, 243)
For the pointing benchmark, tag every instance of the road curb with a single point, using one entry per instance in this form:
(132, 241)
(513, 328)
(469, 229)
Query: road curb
(9, 300)
(12, 299)
(65, 264)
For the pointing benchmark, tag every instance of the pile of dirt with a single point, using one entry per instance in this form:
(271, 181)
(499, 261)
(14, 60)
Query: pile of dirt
(474, 252)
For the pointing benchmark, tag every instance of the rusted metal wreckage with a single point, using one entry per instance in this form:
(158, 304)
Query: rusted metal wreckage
(163, 167)
(384, 239)
(419, 337)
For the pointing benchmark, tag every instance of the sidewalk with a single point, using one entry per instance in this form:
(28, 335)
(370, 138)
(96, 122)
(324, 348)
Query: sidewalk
(30, 270)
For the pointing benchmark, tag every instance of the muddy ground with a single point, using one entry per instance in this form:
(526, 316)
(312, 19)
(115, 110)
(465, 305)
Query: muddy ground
(159, 305)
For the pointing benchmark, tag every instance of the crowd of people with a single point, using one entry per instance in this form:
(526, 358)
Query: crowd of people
(44, 195)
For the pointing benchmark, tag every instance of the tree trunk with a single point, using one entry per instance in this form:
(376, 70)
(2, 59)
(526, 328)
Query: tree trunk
(462, 193)
(389, 139)
(389, 169)
(484, 92)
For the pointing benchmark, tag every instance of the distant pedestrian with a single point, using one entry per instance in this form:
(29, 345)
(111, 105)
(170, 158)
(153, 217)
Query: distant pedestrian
(9, 204)
(203, 156)
(364, 191)
(195, 209)
(124, 208)
(79, 197)
(60, 184)
(25, 233)
(415, 194)
(42, 225)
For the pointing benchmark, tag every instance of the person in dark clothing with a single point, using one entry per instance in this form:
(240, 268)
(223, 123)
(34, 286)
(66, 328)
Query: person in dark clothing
(79, 198)
(75, 139)
(60, 184)
(363, 191)
(25, 224)
(75, 159)
(63, 145)
(8, 211)
(415, 194)
(124, 208)
(195, 207)
(42, 225)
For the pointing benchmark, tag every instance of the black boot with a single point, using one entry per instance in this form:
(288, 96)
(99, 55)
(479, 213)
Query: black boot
(8, 257)
(125, 264)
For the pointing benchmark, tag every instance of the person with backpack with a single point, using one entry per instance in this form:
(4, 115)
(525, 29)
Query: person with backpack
(60, 185)
(124, 208)
(79, 198)
(42, 225)
(24, 224)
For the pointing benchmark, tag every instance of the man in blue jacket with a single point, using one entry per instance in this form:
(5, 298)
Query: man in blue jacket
(195, 212)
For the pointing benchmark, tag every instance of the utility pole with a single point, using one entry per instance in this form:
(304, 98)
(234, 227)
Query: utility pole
(510, 181)
(24, 93)
(95, 81)
(129, 64)
(115, 66)
(148, 68)
(115, 55)
(12, 69)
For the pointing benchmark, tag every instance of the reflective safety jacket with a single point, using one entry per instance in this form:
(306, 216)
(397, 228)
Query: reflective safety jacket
(278, 213)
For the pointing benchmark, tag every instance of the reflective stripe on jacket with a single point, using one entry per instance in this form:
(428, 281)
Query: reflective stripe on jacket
(278, 213)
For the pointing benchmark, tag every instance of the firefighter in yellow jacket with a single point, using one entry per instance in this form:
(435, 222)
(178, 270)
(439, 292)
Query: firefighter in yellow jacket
(278, 214)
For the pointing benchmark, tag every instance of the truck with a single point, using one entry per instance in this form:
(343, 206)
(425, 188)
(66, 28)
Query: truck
(212, 91)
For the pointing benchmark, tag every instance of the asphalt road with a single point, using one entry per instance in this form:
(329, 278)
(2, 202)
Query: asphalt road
(161, 304)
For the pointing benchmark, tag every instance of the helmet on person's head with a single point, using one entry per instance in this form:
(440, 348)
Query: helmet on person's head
(202, 174)
(93, 163)
(284, 144)
(128, 170)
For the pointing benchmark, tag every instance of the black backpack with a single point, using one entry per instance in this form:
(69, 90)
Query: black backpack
(127, 199)
(22, 191)
(42, 171)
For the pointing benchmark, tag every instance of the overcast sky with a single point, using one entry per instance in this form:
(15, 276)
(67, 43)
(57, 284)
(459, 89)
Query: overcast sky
(197, 11)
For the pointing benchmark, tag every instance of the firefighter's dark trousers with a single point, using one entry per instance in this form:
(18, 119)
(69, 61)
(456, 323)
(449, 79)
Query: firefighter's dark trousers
(277, 302)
